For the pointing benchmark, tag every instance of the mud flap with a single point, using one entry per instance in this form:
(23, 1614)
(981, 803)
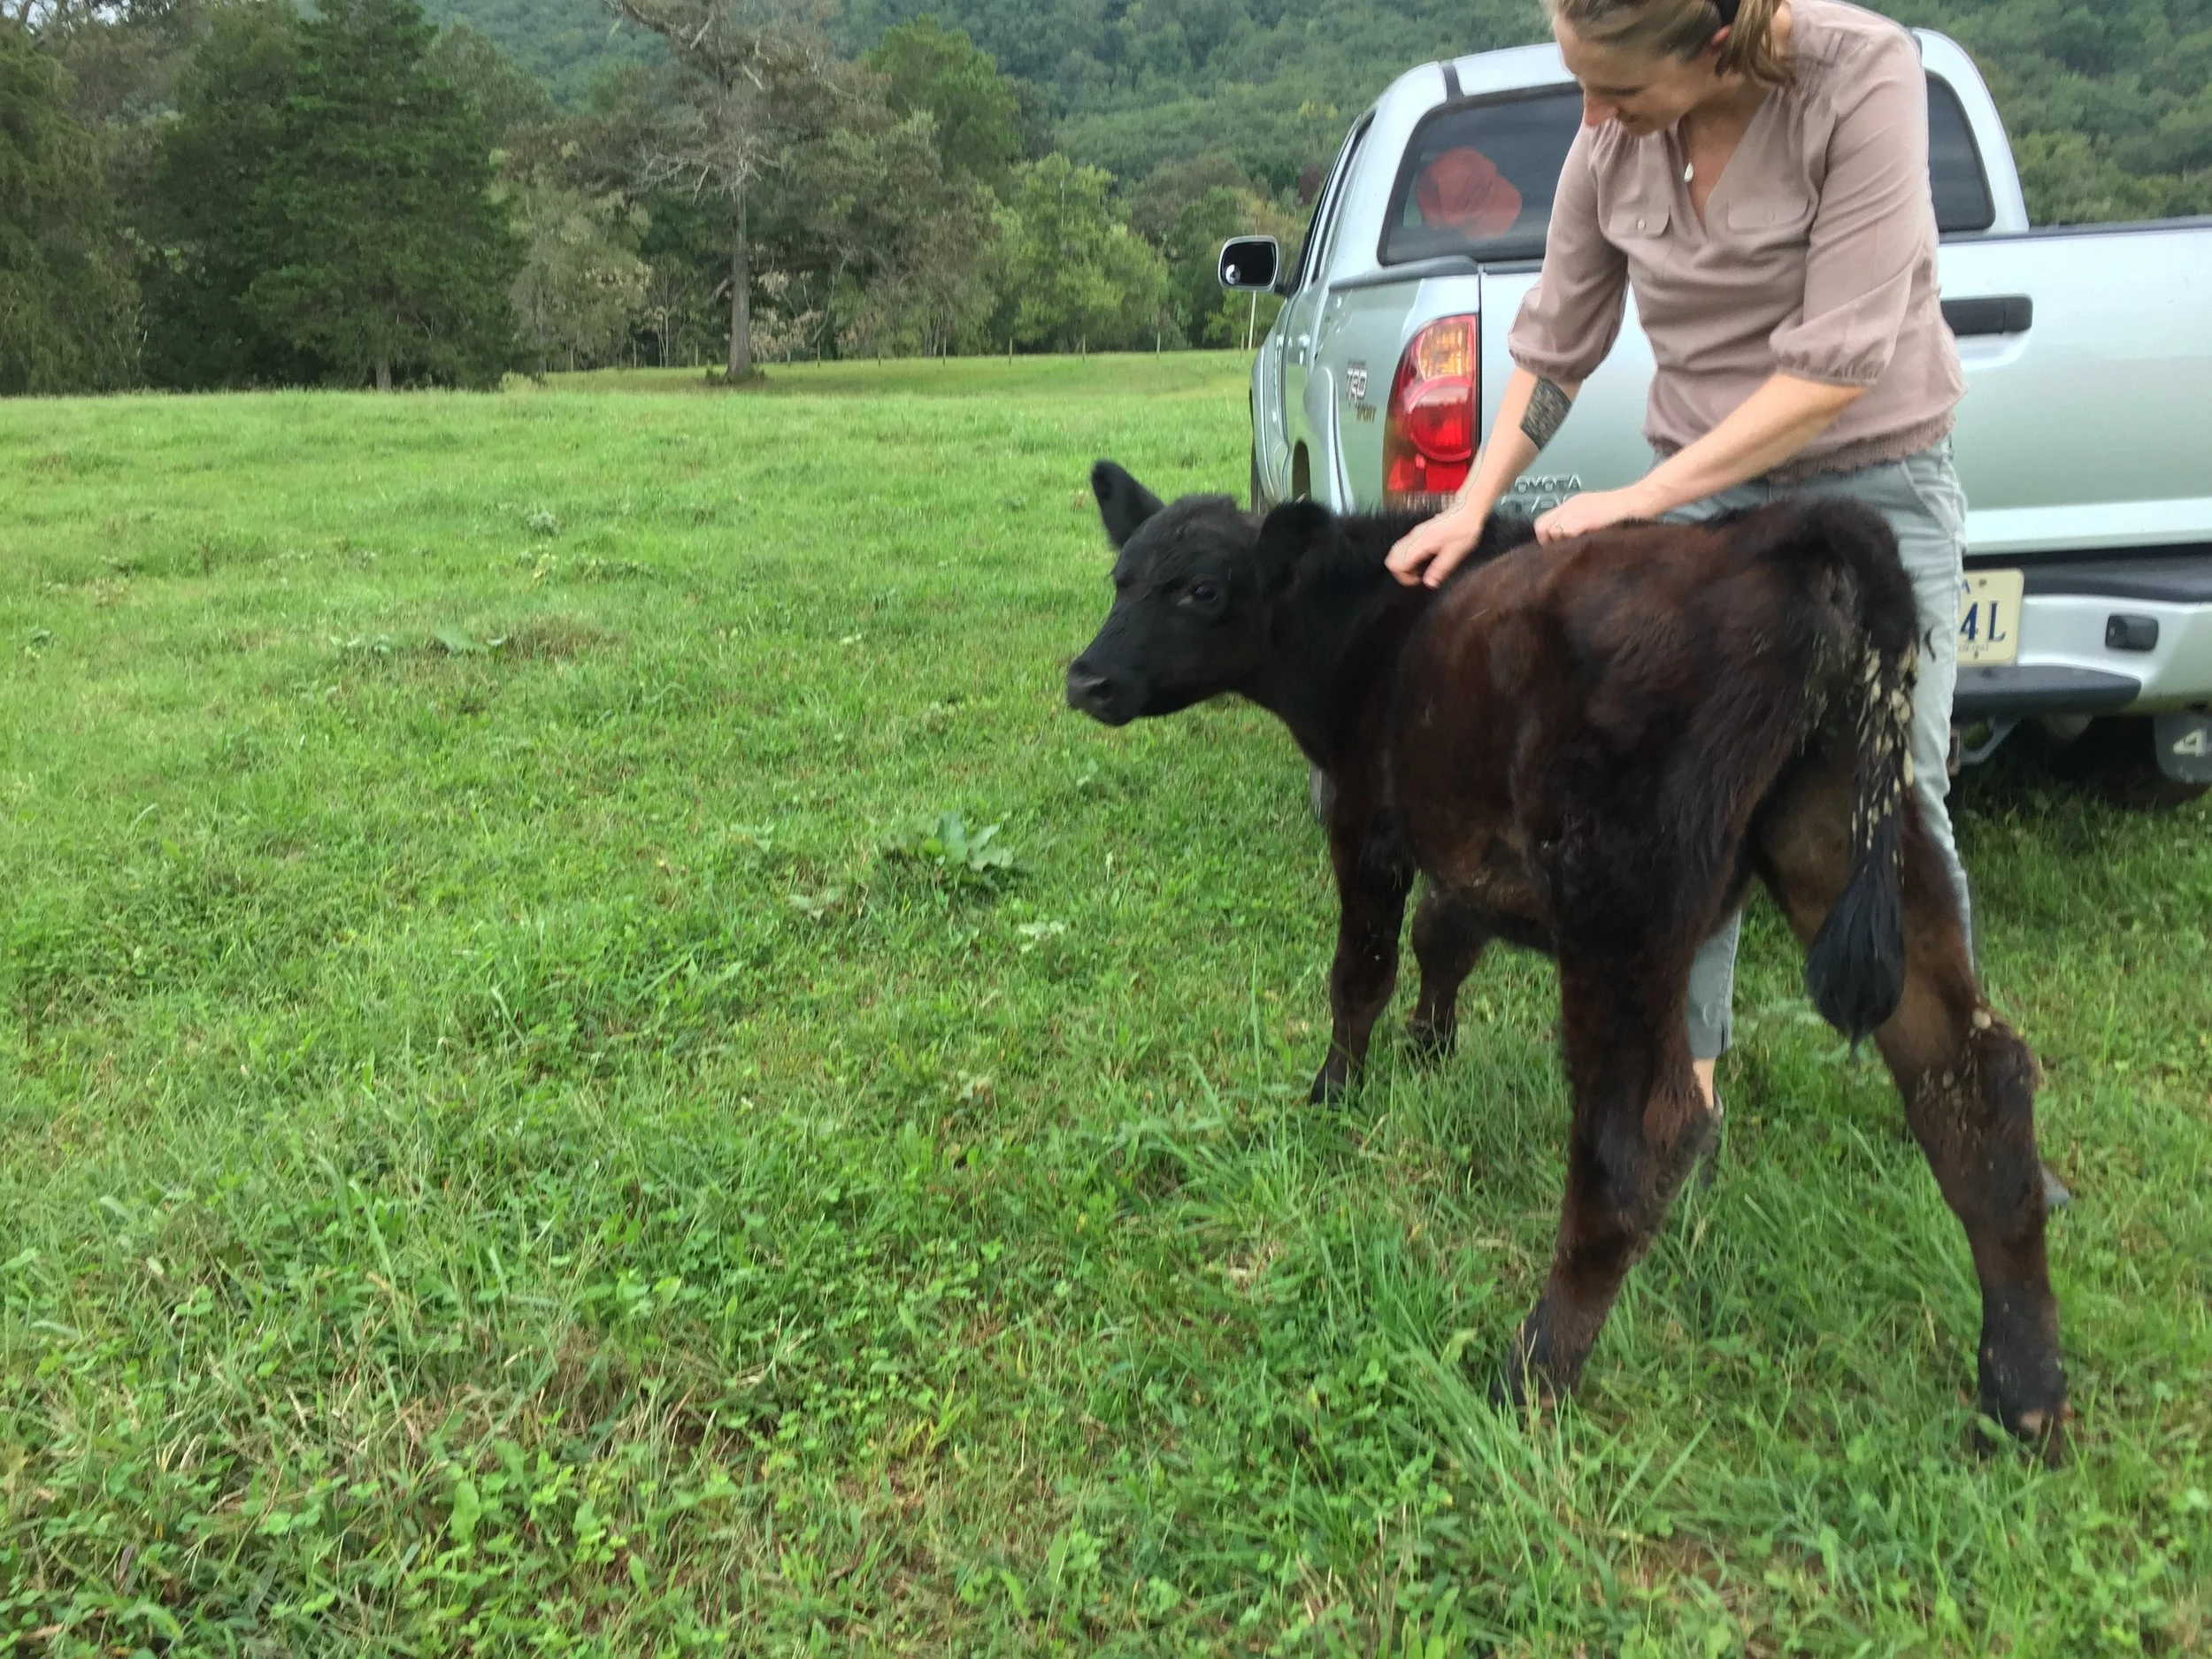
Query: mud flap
(2184, 743)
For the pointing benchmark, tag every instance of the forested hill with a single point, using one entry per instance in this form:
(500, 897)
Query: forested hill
(2110, 103)
(1271, 81)
(565, 43)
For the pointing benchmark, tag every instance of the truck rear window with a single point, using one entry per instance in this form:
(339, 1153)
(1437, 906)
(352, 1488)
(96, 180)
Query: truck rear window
(1478, 179)
(1962, 202)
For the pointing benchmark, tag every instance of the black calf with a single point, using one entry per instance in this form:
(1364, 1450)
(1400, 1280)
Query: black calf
(1592, 750)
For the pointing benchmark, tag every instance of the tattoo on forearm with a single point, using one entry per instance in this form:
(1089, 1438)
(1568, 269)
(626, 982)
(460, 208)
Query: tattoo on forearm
(1547, 407)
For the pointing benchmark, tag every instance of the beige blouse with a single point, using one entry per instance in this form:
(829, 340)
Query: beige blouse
(1816, 257)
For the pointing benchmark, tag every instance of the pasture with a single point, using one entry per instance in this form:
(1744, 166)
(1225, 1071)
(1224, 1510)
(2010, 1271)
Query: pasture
(522, 1129)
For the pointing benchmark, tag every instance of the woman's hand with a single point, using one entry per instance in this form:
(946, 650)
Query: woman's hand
(1431, 549)
(1582, 515)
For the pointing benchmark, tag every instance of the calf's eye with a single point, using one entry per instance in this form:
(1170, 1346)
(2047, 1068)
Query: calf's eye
(1203, 592)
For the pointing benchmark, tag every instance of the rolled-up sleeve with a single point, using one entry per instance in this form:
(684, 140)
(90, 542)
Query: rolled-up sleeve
(1872, 232)
(1570, 320)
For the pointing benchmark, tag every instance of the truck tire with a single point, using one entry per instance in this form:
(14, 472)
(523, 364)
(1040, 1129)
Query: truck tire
(2115, 757)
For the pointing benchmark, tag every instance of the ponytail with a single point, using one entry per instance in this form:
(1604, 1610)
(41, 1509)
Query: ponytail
(1750, 50)
(1683, 29)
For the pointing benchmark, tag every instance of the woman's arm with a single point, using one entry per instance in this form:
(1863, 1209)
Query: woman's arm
(1528, 412)
(1770, 426)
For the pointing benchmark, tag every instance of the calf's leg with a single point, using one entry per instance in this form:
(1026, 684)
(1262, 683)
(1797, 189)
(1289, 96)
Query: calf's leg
(1371, 886)
(1975, 1118)
(1969, 1086)
(1448, 937)
(1640, 1123)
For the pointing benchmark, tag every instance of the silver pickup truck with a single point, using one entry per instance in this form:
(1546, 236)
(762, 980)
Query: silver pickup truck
(2085, 442)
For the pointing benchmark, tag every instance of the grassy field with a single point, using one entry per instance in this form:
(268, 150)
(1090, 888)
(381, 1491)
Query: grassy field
(508, 1144)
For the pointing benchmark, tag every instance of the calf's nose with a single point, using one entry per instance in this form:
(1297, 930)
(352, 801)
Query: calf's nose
(1089, 690)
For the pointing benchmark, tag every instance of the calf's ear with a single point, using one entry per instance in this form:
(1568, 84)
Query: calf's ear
(1123, 502)
(1287, 535)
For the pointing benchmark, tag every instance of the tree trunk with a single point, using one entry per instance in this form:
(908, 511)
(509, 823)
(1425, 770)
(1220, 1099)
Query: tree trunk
(383, 374)
(740, 300)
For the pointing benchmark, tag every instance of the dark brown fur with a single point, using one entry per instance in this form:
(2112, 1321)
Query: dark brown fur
(1591, 749)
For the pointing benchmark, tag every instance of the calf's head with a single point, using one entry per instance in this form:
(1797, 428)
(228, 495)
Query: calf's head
(1194, 587)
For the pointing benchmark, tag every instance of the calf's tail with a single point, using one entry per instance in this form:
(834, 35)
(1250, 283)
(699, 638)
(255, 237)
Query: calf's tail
(1856, 971)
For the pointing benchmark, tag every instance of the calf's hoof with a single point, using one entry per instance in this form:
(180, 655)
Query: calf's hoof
(2022, 1382)
(1433, 1043)
(1532, 1371)
(2036, 1420)
(1512, 1388)
(1331, 1084)
(2045, 1435)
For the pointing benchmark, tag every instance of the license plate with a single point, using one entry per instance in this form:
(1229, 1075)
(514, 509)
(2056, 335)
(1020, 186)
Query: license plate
(2184, 746)
(1989, 617)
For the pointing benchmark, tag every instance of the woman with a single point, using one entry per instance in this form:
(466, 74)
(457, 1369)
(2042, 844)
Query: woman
(1756, 170)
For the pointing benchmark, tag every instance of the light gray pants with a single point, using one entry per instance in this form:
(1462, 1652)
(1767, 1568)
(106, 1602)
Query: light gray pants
(1921, 498)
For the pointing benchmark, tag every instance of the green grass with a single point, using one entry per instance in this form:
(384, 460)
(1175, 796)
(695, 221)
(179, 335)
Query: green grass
(498, 1152)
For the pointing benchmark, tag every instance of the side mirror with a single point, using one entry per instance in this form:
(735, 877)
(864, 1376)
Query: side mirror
(1249, 264)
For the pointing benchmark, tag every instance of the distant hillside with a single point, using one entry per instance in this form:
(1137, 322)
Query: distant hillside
(2111, 106)
(565, 43)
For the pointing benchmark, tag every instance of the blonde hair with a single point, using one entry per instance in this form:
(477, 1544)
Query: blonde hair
(1683, 29)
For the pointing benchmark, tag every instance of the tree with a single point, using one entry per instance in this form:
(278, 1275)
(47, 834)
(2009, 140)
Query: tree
(684, 250)
(1187, 209)
(581, 287)
(202, 224)
(601, 154)
(505, 98)
(1156, 204)
(65, 297)
(1207, 316)
(120, 59)
(568, 46)
(976, 110)
(747, 77)
(891, 249)
(391, 256)
(938, 277)
(2067, 183)
(1076, 276)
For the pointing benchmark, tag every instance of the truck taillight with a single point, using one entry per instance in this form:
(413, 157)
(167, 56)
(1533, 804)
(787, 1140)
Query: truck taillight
(1429, 428)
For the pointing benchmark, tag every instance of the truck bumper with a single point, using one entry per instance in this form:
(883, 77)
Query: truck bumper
(2125, 633)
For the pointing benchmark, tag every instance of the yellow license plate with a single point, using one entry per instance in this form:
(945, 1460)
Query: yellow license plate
(1989, 617)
